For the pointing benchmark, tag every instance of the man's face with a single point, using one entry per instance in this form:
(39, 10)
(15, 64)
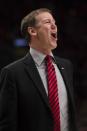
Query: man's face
(46, 31)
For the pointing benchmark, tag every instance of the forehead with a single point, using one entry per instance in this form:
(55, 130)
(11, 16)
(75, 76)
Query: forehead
(44, 16)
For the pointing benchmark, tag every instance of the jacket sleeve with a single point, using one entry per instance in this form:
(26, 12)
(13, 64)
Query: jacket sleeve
(8, 101)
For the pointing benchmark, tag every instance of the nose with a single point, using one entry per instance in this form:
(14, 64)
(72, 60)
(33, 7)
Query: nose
(53, 25)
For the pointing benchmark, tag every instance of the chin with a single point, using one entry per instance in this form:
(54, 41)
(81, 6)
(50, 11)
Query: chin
(54, 45)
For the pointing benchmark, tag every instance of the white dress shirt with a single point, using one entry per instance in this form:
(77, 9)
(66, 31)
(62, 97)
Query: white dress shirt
(63, 101)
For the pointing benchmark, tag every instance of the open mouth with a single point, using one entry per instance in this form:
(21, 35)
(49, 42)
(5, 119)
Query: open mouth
(54, 36)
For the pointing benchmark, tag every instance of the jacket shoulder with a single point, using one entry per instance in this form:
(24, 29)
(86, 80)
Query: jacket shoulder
(63, 61)
(16, 65)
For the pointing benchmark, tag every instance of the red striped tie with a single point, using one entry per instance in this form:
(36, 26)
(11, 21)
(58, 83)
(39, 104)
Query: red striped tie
(53, 93)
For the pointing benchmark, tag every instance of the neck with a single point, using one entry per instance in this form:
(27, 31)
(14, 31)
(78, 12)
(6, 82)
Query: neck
(42, 50)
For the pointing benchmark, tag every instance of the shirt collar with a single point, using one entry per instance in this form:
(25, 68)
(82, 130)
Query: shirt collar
(38, 56)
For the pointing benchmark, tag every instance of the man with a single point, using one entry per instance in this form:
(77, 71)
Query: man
(24, 92)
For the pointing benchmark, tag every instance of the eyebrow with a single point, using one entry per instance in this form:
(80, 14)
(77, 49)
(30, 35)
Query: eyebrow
(48, 19)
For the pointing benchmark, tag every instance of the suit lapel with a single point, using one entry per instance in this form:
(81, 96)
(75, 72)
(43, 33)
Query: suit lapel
(63, 71)
(65, 76)
(33, 73)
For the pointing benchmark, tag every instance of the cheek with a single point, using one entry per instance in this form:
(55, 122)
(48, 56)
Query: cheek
(47, 33)
(47, 30)
(44, 33)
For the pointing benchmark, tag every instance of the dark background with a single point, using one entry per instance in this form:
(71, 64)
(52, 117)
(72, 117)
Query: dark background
(71, 17)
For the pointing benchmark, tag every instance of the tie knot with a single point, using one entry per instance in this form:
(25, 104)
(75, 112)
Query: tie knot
(48, 58)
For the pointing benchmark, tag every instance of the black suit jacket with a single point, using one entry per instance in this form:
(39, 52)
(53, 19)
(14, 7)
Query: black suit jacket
(23, 101)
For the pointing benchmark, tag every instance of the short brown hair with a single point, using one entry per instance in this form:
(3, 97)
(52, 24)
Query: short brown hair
(30, 21)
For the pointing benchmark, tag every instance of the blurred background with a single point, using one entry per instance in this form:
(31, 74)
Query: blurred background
(71, 17)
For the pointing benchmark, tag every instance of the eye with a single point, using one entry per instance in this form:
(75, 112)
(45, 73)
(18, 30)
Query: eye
(47, 21)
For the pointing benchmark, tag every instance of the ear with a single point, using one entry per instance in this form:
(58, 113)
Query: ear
(32, 31)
